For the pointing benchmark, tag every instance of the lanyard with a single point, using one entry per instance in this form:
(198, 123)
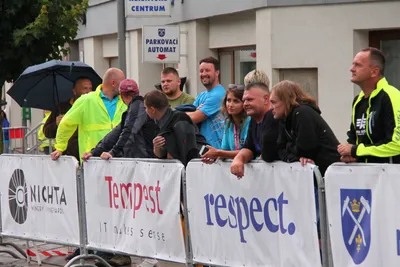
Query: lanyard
(236, 137)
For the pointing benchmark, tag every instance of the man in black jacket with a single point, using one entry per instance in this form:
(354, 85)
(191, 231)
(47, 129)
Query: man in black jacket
(178, 137)
(374, 135)
(133, 137)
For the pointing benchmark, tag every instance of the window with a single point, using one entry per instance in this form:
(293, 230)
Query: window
(235, 64)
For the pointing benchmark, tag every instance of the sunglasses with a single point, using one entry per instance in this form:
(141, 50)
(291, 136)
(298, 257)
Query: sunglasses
(236, 86)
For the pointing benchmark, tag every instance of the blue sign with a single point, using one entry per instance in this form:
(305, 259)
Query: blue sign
(356, 222)
(148, 8)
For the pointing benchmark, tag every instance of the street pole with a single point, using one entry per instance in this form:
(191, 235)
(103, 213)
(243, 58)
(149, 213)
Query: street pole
(121, 35)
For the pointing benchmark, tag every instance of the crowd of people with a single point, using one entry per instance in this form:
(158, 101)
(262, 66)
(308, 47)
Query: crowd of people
(242, 122)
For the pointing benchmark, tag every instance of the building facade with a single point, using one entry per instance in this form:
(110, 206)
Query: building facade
(311, 42)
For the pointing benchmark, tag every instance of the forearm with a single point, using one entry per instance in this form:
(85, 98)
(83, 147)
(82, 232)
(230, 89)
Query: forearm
(197, 116)
(227, 154)
(160, 152)
(244, 155)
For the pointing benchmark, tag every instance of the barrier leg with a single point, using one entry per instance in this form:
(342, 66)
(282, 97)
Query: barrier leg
(83, 228)
(28, 257)
(323, 220)
(39, 260)
(186, 232)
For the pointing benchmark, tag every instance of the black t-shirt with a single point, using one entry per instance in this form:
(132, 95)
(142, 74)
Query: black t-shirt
(361, 121)
(262, 138)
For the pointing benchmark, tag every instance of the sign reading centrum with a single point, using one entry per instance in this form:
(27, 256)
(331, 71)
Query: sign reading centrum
(140, 8)
(161, 44)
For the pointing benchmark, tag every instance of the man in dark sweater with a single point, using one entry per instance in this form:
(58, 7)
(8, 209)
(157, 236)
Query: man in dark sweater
(81, 86)
(263, 130)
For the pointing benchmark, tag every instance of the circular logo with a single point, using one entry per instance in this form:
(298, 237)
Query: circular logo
(18, 196)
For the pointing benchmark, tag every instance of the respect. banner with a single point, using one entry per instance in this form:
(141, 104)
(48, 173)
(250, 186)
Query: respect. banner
(267, 218)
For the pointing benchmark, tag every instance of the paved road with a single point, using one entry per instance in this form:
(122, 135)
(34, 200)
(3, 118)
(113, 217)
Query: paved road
(7, 260)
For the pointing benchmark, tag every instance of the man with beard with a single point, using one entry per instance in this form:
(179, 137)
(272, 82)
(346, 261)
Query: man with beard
(209, 103)
(170, 84)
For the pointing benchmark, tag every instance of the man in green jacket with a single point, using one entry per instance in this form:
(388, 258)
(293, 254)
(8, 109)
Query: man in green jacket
(374, 135)
(94, 115)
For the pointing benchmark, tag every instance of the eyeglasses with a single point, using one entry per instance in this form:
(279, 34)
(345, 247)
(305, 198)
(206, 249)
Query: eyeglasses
(236, 86)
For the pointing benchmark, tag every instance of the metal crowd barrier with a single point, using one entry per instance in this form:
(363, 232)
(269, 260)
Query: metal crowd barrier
(82, 212)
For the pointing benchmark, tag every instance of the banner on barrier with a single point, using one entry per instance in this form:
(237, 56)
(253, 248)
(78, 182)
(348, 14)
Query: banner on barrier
(267, 218)
(362, 204)
(39, 198)
(133, 207)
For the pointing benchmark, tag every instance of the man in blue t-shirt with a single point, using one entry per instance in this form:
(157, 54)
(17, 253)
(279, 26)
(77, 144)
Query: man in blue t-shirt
(209, 103)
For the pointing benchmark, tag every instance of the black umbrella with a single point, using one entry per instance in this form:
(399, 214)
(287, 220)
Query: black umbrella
(46, 85)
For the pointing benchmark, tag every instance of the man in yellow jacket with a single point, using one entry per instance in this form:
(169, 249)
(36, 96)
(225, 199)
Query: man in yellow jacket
(94, 115)
(45, 145)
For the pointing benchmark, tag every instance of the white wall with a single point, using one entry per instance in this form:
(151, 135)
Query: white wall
(93, 54)
(110, 45)
(233, 30)
(326, 37)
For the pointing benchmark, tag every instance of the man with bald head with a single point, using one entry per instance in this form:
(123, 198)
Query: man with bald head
(94, 115)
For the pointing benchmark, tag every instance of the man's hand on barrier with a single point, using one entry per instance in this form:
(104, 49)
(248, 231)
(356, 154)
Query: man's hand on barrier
(106, 155)
(344, 149)
(304, 161)
(86, 156)
(158, 142)
(237, 168)
(347, 159)
(56, 154)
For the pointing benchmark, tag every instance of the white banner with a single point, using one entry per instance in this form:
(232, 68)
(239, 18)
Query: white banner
(363, 203)
(160, 44)
(267, 218)
(39, 198)
(132, 206)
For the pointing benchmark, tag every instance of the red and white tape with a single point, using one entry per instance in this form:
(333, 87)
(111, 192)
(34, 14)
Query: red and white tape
(48, 253)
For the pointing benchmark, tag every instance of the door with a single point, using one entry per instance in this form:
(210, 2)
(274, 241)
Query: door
(389, 43)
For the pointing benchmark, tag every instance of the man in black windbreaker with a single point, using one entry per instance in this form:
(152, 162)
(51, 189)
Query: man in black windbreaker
(374, 135)
(178, 137)
(133, 137)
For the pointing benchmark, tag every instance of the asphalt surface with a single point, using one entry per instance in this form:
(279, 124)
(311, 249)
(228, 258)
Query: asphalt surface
(9, 261)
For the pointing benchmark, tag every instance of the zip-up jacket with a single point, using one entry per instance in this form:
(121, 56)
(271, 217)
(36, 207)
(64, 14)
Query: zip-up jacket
(304, 133)
(90, 116)
(133, 137)
(382, 125)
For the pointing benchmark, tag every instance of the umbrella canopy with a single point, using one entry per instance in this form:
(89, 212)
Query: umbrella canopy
(46, 85)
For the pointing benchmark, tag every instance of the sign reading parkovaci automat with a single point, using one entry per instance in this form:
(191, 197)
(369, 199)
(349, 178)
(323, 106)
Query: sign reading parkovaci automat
(161, 44)
(136, 8)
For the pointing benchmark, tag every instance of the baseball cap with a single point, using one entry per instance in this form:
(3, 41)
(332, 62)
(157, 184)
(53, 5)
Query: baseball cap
(129, 86)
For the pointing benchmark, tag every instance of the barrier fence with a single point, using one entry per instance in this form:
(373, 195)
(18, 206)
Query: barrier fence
(267, 218)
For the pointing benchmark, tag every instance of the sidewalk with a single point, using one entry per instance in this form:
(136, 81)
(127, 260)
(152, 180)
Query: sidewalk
(9, 261)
